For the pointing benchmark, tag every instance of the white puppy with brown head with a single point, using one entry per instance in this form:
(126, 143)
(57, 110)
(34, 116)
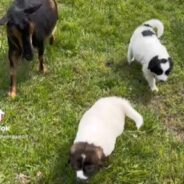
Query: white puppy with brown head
(146, 48)
(97, 133)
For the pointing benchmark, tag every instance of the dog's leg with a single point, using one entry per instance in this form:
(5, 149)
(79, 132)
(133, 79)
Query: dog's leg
(41, 49)
(130, 55)
(151, 80)
(52, 37)
(132, 113)
(13, 59)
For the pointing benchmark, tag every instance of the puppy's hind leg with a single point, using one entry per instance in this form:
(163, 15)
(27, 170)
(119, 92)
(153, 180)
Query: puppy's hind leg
(132, 113)
(151, 80)
(130, 55)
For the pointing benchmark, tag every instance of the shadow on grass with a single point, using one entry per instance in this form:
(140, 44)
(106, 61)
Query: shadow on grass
(62, 171)
(136, 84)
(4, 76)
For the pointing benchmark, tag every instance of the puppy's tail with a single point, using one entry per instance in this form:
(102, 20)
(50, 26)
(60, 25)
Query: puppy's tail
(132, 113)
(155, 23)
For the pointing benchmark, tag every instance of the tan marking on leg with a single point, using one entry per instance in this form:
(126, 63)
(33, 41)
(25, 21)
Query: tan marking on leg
(18, 36)
(42, 67)
(31, 31)
(14, 60)
(52, 4)
(52, 37)
(12, 93)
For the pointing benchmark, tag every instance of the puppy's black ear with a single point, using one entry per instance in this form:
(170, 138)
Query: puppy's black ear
(153, 62)
(154, 66)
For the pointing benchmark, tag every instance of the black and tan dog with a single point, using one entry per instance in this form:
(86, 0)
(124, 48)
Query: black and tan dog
(29, 23)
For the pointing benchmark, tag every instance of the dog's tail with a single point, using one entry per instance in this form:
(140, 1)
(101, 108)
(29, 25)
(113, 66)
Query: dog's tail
(155, 23)
(132, 113)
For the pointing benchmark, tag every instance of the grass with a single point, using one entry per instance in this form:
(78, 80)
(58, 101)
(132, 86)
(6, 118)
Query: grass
(88, 61)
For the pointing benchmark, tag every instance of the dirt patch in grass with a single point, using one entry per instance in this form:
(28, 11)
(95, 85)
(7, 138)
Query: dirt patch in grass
(171, 116)
(176, 129)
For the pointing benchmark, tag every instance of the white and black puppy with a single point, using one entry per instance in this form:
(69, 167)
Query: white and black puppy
(145, 47)
(97, 133)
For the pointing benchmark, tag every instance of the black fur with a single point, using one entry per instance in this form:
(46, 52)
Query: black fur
(155, 67)
(147, 25)
(29, 23)
(148, 33)
(91, 163)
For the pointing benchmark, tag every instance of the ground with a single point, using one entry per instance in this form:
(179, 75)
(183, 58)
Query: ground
(88, 61)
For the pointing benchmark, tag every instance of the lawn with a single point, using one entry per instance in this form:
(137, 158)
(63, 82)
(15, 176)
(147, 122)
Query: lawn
(88, 61)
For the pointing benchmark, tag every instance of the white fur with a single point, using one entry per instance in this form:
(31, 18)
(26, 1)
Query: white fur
(104, 122)
(165, 67)
(80, 175)
(143, 49)
(83, 156)
(156, 24)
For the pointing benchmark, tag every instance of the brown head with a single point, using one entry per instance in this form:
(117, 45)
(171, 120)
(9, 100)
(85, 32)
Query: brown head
(20, 27)
(86, 159)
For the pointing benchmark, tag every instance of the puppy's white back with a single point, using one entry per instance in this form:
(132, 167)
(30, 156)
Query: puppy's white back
(145, 48)
(104, 122)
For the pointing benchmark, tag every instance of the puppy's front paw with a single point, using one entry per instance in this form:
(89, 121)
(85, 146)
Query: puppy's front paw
(130, 61)
(139, 122)
(154, 89)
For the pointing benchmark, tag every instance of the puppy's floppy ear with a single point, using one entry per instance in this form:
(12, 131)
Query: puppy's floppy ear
(99, 152)
(101, 156)
(153, 62)
(73, 149)
(154, 65)
(77, 147)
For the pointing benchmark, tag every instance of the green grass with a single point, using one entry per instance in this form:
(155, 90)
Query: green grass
(48, 108)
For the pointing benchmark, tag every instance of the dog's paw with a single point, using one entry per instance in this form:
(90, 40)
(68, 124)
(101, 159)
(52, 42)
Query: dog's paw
(154, 89)
(130, 61)
(139, 122)
(12, 94)
(43, 70)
